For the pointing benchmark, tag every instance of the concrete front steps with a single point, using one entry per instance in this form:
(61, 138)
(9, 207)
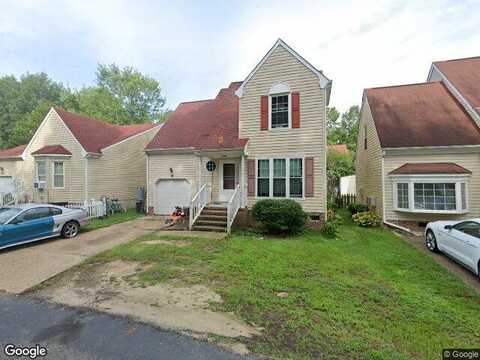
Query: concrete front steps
(212, 218)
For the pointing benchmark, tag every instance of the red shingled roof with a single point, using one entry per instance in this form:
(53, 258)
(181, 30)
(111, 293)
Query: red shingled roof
(52, 150)
(206, 124)
(418, 115)
(14, 152)
(464, 74)
(429, 168)
(94, 134)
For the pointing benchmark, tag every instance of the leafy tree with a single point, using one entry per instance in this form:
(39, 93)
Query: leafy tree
(140, 95)
(338, 165)
(343, 130)
(121, 96)
(21, 96)
(28, 124)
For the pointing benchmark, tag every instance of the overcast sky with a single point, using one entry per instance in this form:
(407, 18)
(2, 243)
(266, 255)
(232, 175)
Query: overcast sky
(195, 48)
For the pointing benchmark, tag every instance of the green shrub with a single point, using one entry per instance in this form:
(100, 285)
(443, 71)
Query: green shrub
(280, 216)
(356, 208)
(330, 228)
(366, 219)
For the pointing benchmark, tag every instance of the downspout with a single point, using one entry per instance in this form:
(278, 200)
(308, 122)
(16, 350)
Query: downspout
(86, 178)
(383, 187)
(148, 183)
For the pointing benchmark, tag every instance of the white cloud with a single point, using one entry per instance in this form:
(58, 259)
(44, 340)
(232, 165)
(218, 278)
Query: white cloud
(195, 48)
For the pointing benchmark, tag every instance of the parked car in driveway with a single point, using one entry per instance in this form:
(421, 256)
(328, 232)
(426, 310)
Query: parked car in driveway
(20, 224)
(457, 239)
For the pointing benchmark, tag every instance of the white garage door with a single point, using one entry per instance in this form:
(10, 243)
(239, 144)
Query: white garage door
(6, 184)
(170, 193)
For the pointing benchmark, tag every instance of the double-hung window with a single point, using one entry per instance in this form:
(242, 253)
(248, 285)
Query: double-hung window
(279, 114)
(41, 170)
(263, 178)
(280, 177)
(58, 174)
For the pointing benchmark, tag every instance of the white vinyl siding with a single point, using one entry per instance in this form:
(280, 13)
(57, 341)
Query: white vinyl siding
(309, 139)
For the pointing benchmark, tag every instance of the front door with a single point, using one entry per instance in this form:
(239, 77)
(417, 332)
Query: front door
(228, 180)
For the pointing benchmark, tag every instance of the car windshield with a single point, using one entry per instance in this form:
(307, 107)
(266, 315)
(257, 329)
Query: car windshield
(7, 213)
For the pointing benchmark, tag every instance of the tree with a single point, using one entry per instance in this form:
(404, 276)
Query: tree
(338, 165)
(21, 97)
(344, 131)
(140, 95)
(29, 123)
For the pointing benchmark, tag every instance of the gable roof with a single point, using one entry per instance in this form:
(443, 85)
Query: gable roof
(323, 80)
(52, 150)
(13, 153)
(429, 168)
(464, 75)
(95, 135)
(205, 124)
(420, 115)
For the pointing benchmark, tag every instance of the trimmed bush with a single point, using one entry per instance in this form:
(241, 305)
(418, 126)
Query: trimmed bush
(356, 208)
(280, 216)
(367, 219)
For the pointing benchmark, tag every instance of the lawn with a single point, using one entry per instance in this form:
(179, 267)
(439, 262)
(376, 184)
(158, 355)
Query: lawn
(366, 294)
(116, 218)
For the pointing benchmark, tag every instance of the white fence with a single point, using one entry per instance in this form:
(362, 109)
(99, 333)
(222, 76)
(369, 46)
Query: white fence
(94, 208)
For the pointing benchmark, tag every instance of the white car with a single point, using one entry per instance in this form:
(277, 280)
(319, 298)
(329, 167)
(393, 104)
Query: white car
(459, 240)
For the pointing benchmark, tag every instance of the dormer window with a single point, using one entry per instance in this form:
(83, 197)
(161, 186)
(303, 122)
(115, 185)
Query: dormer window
(279, 111)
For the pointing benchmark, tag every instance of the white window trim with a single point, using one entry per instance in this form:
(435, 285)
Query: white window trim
(270, 112)
(36, 170)
(53, 174)
(287, 185)
(412, 179)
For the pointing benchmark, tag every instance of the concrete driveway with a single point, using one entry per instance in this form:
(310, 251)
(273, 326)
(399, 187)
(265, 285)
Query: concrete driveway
(25, 266)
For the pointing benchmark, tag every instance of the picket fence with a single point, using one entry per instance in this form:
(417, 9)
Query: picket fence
(94, 208)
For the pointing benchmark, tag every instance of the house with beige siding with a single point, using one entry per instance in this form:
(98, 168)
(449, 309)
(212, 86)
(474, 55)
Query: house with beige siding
(418, 148)
(73, 158)
(263, 137)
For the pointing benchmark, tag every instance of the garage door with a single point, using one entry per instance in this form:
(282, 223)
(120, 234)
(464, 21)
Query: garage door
(6, 184)
(170, 193)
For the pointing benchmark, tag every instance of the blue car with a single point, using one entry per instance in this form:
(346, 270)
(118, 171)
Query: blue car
(26, 223)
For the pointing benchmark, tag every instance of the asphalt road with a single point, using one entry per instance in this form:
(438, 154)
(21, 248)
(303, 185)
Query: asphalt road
(79, 334)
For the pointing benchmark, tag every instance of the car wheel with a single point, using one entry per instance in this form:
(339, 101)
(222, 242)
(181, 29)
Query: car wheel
(431, 241)
(70, 229)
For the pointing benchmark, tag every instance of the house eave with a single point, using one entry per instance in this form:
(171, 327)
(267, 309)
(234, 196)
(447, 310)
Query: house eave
(431, 150)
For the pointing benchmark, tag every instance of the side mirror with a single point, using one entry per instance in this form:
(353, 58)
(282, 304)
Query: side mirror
(15, 222)
(448, 227)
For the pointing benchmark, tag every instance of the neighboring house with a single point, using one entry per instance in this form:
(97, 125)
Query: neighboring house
(72, 158)
(418, 148)
(261, 138)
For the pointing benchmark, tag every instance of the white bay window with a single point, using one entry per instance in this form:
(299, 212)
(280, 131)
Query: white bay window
(442, 194)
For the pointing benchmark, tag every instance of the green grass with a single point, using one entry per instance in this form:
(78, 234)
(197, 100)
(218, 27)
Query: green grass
(116, 218)
(366, 294)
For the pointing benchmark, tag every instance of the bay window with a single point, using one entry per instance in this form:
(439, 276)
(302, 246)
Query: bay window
(41, 170)
(280, 177)
(447, 194)
(58, 174)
